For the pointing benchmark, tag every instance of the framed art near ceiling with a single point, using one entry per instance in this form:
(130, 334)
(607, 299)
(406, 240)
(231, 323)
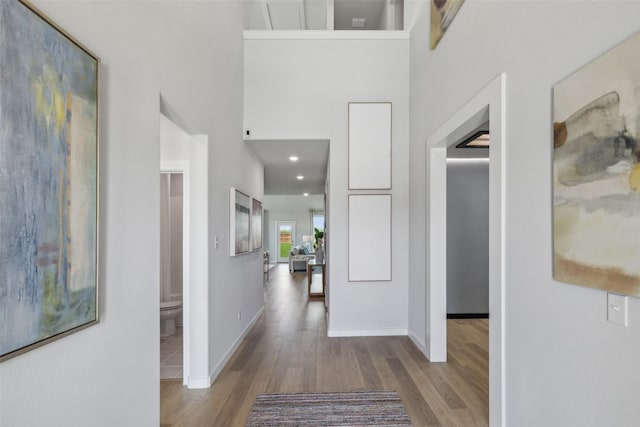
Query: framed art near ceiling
(256, 224)
(369, 145)
(442, 14)
(596, 173)
(49, 129)
(240, 222)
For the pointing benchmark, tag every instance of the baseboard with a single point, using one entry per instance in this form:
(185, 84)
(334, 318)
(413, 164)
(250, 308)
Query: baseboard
(468, 316)
(218, 368)
(368, 333)
(199, 382)
(418, 343)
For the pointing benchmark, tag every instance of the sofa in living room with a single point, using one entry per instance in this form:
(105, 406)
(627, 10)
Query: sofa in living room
(299, 256)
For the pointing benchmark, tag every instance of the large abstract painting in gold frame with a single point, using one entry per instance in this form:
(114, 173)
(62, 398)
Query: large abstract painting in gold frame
(442, 14)
(596, 173)
(48, 181)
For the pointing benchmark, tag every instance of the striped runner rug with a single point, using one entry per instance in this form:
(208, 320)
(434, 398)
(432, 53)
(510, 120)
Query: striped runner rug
(370, 408)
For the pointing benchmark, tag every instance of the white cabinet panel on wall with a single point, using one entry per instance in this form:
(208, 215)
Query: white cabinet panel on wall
(369, 237)
(369, 145)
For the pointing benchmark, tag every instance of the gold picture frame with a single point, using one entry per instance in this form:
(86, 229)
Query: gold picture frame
(442, 14)
(49, 181)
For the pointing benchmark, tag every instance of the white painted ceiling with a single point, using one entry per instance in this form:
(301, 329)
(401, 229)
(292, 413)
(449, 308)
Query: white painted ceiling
(346, 10)
(280, 173)
(312, 14)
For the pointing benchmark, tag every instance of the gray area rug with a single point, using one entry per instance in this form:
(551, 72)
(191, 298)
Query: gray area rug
(370, 408)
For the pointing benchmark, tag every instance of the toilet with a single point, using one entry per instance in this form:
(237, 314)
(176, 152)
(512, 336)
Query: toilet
(169, 311)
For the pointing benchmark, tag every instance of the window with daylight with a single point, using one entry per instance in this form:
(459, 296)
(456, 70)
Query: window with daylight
(318, 220)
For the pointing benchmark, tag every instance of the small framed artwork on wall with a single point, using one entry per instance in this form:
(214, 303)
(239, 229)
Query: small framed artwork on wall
(240, 222)
(256, 224)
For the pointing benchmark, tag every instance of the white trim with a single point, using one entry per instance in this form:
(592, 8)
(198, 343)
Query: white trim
(468, 160)
(418, 342)
(193, 159)
(437, 262)
(199, 382)
(368, 333)
(236, 344)
(489, 104)
(326, 35)
(330, 15)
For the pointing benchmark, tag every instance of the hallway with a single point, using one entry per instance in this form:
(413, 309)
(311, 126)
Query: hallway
(288, 351)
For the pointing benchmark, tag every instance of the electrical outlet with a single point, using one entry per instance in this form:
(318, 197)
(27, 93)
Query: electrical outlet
(617, 309)
(216, 242)
(240, 315)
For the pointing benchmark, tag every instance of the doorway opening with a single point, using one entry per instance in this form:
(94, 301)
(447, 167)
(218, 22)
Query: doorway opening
(171, 274)
(468, 227)
(286, 235)
(487, 106)
(185, 152)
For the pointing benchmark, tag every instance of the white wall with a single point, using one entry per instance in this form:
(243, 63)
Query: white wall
(565, 364)
(297, 86)
(191, 52)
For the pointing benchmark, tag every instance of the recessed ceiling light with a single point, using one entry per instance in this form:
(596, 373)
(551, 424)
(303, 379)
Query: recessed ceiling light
(305, 194)
(293, 158)
(299, 177)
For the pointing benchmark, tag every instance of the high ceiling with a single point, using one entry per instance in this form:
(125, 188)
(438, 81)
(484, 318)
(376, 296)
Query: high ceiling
(280, 173)
(320, 14)
(345, 11)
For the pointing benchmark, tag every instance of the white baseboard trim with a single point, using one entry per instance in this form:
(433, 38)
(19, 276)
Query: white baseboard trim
(368, 333)
(199, 382)
(218, 368)
(418, 343)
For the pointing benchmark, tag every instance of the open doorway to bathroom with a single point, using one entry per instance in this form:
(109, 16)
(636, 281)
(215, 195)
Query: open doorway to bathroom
(184, 152)
(171, 274)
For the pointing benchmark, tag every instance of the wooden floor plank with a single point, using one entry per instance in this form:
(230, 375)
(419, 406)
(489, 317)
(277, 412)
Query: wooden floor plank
(288, 351)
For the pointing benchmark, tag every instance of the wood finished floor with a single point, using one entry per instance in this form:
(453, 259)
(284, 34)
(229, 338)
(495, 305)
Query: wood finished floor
(288, 351)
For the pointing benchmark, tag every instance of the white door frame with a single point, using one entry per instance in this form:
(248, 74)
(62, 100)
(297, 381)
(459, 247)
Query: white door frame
(191, 158)
(293, 238)
(489, 104)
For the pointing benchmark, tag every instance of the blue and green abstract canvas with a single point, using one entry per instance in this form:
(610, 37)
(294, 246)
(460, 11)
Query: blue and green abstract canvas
(48, 182)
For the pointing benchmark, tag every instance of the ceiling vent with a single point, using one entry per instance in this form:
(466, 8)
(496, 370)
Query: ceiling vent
(358, 22)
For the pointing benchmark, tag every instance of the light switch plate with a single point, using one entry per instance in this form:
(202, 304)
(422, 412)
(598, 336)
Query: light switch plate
(617, 309)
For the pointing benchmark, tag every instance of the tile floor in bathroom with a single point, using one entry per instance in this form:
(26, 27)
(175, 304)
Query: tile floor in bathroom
(171, 355)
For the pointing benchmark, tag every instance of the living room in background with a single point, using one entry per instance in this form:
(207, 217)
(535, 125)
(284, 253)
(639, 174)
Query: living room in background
(286, 232)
